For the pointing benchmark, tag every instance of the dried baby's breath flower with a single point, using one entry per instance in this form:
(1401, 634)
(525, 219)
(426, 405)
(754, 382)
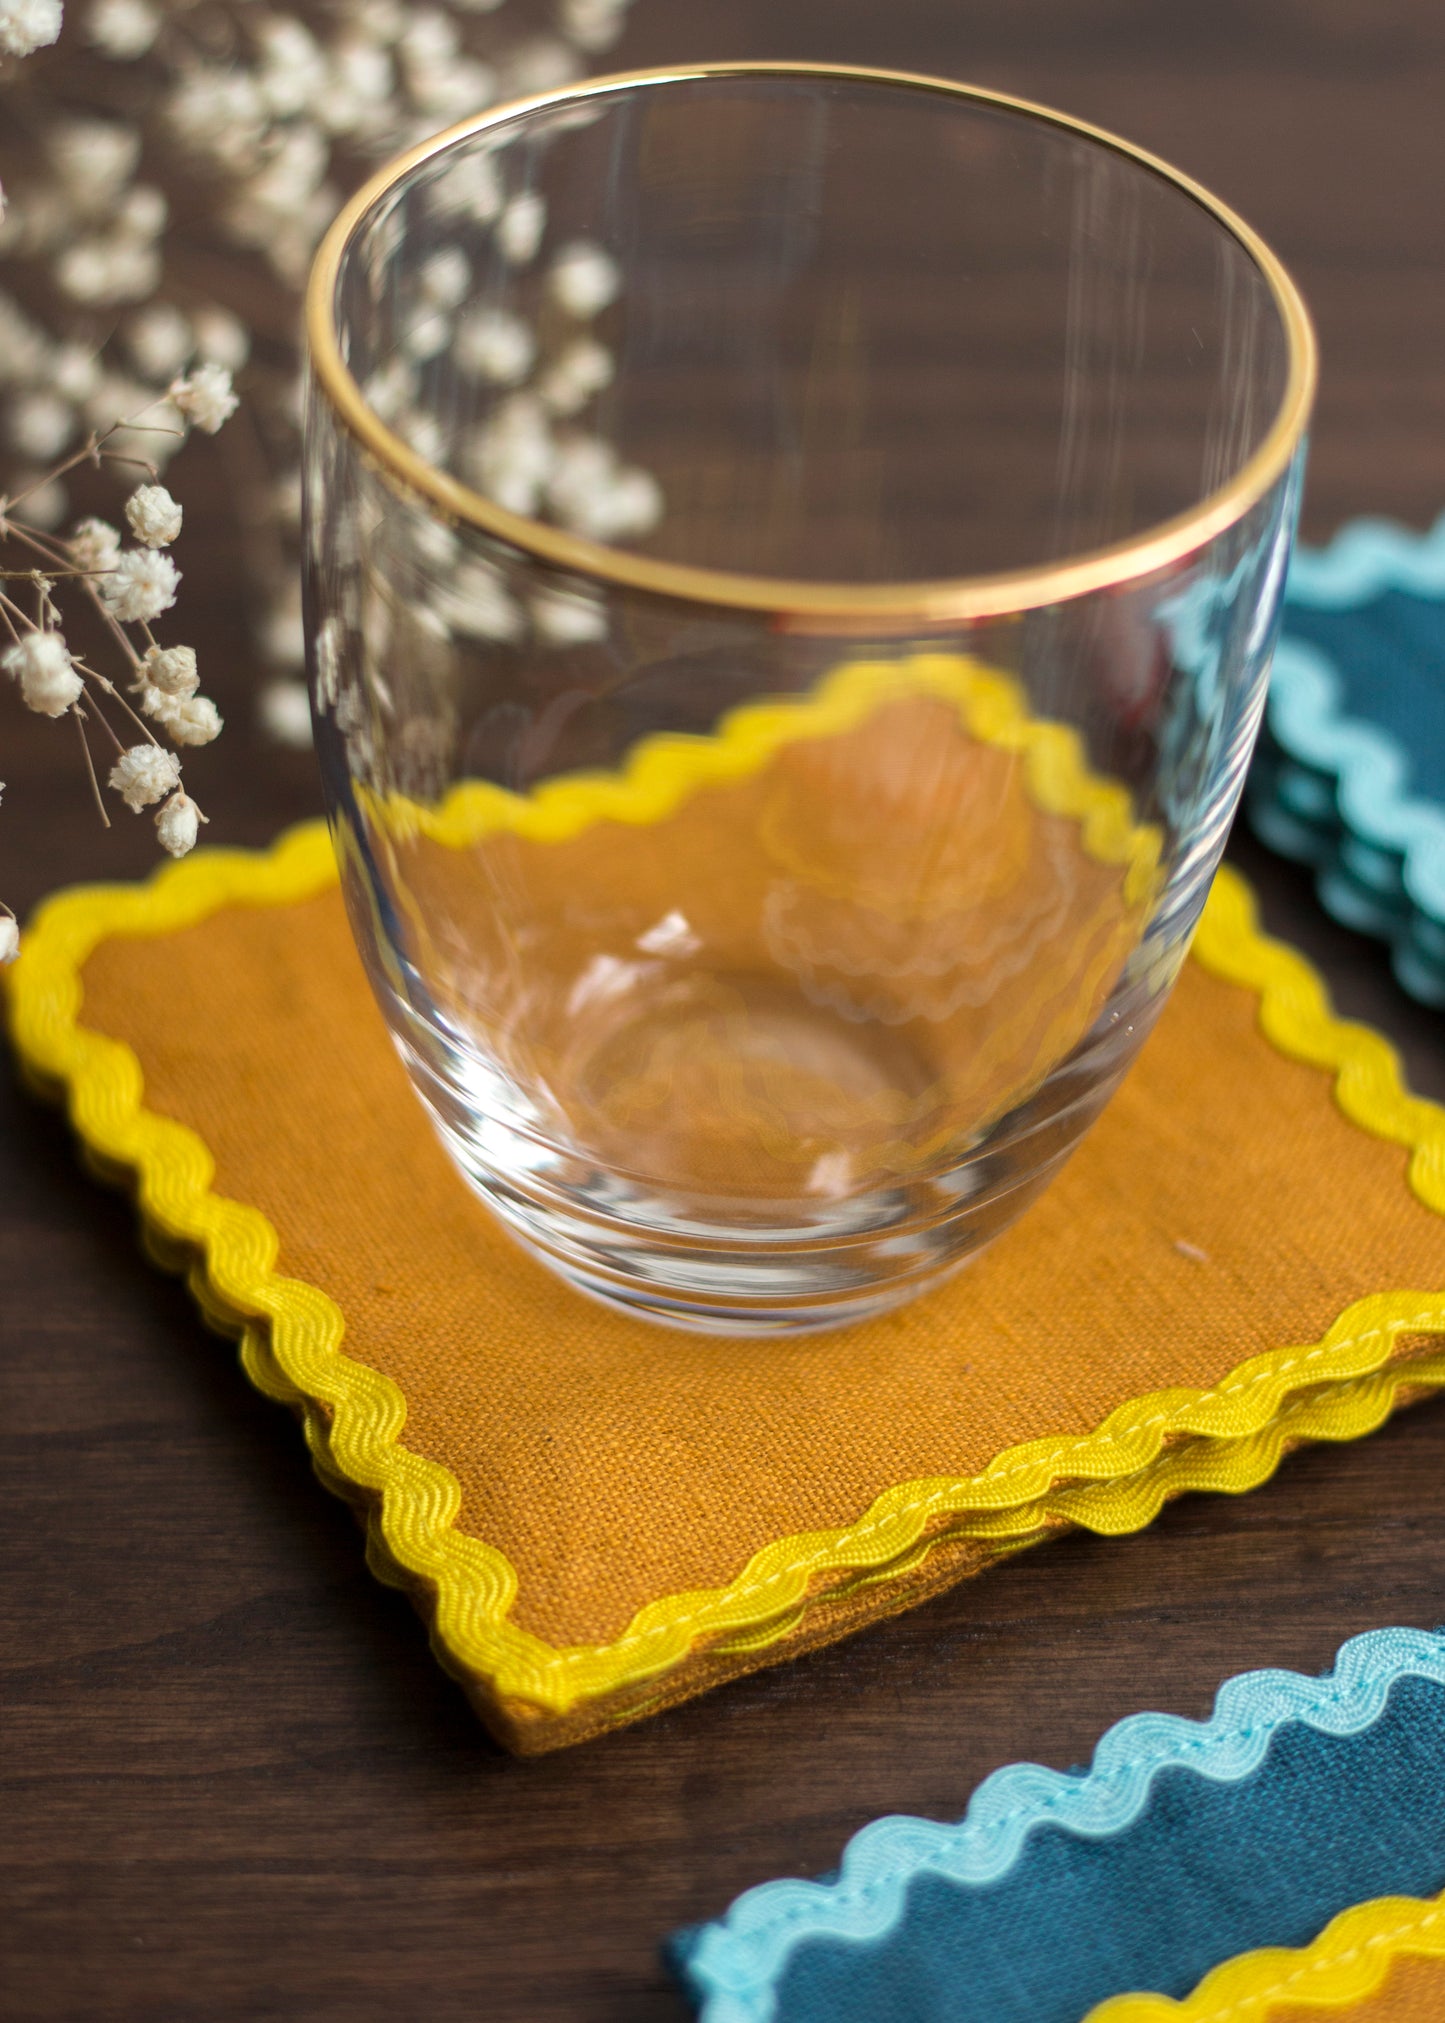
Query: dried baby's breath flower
(445, 278)
(575, 375)
(513, 453)
(495, 345)
(205, 397)
(428, 40)
(278, 196)
(391, 388)
(221, 338)
(293, 70)
(543, 64)
(100, 270)
(41, 424)
(144, 774)
(189, 719)
(93, 158)
(594, 25)
(632, 505)
(94, 545)
(28, 25)
(429, 337)
(423, 433)
(594, 495)
(582, 470)
(140, 585)
(42, 664)
(520, 227)
(450, 90)
(123, 29)
(24, 350)
(328, 661)
(218, 114)
(142, 213)
(474, 185)
(285, 712)
(475, 603)
(171, 670)
(160, 340)
(568, 618)
(153, 515)
(178, 823)
(9, 937)
(74, 372)
(584, 280)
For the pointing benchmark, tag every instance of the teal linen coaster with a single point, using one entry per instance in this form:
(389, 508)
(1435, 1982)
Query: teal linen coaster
(1185, 1844)
(1350, 771)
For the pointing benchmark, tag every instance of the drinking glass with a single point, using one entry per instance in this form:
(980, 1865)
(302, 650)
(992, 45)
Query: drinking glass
(794, 555)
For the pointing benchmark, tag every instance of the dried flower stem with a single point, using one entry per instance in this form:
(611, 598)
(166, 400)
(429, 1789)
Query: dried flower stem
(79, 714)
(124, 586)
(104, 683)
(93, 452)
(43, 545)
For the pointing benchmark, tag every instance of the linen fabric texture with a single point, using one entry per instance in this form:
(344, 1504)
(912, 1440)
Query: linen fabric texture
(1185, 1844)
(602, 1517)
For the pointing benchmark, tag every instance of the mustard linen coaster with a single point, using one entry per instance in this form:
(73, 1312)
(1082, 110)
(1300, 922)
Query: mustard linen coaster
(601, 1517)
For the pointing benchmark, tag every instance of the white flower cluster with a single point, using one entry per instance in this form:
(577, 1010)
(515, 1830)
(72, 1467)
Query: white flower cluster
(126, 587)
(28, 25)
(265, 117)
(56, 393)
(153, 516)
(41, 663)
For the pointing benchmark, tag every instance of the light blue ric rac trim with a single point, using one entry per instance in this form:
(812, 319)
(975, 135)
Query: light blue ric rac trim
(1365, 559)
(736, 1964)
(1370, 767)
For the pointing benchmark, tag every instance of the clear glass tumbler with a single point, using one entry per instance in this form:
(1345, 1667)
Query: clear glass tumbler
(793, 561)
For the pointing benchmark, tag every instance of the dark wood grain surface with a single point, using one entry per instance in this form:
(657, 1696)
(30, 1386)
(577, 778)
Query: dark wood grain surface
(235, 1784)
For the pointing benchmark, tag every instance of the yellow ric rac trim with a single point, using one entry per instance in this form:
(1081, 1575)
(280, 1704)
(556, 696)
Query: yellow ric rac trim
(1228, 1438)
(1347, 1962)
(1113, 1479)
(664, 770)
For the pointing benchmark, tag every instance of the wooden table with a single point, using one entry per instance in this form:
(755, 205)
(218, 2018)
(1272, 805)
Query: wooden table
(235, 1783)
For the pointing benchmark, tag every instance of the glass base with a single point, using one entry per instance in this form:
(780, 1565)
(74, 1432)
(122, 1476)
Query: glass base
(751, 1265)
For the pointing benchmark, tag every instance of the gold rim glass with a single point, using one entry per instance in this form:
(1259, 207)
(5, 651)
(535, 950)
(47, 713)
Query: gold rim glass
(961, 597)
(793, 561)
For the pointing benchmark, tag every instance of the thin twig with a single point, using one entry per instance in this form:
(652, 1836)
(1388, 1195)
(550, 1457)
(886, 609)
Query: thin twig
(28, 575)
(93, 450)
(79, 714)
(87, 584)
(115, 695)
(43, 544)
(98, 717)
(89, 453)
(141, 463)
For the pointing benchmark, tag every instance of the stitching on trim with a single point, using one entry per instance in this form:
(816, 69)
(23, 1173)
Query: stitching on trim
(1261, 1984)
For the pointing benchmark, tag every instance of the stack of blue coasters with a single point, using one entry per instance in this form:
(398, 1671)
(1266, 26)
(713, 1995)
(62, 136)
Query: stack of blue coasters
(1350, 771)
